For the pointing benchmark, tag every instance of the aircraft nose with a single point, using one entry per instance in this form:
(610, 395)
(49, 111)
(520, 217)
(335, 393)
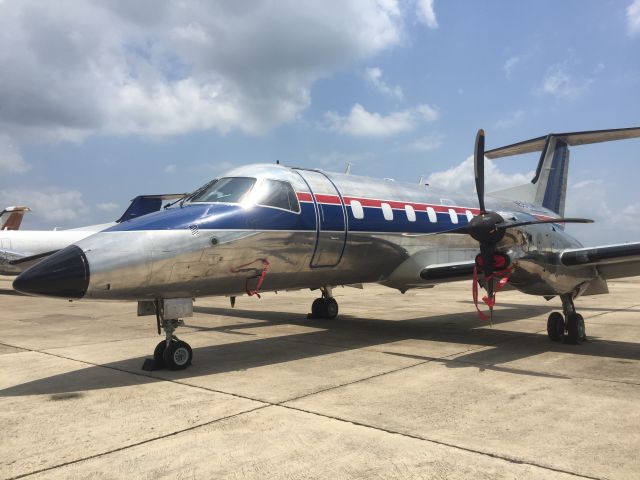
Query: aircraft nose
(64, 274)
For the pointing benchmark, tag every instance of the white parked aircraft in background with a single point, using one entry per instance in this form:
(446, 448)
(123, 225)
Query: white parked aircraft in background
(22, 249)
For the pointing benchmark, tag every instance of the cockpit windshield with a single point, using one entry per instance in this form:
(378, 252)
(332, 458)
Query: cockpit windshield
(225, 190)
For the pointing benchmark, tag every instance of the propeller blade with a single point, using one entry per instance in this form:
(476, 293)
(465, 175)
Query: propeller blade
(537, 222)
(478, 165)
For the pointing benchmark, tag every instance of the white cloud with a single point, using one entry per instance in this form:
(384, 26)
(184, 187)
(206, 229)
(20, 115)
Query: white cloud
(426, 14)
(627, 219)
(107, 206)
(374, 76)
(509, 66)
(461, 177)
(338, 161)
(633, 18)
(510, 120)
(425, 143)
(48, 204)
(11, 160)
(171, 168)
(164, 68)
(559, 83)
(360, 122)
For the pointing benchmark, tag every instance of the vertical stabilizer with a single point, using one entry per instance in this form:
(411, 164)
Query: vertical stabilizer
(549, 186)
(552, 174)
(11, 217)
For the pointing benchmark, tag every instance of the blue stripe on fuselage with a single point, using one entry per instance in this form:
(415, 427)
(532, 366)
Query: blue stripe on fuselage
(235, 217)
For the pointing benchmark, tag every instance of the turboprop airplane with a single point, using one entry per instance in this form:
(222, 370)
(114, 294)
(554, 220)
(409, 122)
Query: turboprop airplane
(11, 217)
(21, 249)
(275, 227)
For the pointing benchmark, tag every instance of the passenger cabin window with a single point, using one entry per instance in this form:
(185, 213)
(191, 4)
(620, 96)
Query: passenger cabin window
(225, 190)
(277, 194)
(411, 213)
(433, 218)
(469, 215)
(453, 215)
(387, 211)
(356, 209)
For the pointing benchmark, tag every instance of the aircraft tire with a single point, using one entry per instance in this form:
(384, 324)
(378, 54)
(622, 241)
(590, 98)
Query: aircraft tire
(178, 355)
(317, 308)
(330, 308)
(555, 327)
(582, 333)
(158, 353)
(573, 329)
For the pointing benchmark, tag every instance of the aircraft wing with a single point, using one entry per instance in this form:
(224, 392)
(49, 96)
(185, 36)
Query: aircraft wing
(612, 261)
(12, 262)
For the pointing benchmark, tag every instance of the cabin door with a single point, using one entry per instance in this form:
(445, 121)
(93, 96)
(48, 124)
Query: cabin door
(331, 224)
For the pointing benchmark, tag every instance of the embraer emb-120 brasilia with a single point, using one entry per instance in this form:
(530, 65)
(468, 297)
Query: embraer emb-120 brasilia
(274, 227)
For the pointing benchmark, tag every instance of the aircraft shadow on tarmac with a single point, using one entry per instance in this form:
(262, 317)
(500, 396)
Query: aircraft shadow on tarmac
(343, 334)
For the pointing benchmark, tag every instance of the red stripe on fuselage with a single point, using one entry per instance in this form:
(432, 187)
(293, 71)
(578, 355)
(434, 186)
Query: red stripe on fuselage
(304, 197)
(374, 203)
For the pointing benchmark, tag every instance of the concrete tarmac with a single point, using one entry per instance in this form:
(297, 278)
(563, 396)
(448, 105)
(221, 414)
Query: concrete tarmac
(398, 386)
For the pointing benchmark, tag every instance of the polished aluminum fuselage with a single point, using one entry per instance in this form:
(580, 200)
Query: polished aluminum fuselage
(197, 249)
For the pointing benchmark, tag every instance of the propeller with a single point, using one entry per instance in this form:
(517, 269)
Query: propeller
(488, 228)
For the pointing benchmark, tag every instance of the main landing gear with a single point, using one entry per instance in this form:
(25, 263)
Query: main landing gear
(324, 307)
(568, 328)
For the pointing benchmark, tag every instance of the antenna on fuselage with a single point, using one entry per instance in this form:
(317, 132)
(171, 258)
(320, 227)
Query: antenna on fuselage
(347, 170)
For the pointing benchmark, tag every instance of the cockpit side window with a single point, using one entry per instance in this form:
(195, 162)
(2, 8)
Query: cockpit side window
(225, 190)
(278, 194)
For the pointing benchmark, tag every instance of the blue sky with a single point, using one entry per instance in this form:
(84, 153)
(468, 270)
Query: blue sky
(100, 102)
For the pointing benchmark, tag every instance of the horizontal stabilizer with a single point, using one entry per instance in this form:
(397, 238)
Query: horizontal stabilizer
(571, 139)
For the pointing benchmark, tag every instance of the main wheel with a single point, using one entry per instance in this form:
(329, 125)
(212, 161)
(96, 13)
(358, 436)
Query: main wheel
(330, 308)
(573, 329)
(582, 333)
(316, 308)
(178, 355)
(158, 353)
(555, 327)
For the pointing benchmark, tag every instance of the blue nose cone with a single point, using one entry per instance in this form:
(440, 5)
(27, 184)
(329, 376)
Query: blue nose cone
(64, 274)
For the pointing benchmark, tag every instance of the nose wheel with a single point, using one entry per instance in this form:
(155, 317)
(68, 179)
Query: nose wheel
(567, 328)
(171, 353)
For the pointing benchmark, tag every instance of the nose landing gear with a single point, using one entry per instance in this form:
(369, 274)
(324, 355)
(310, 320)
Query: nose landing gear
(568, 328)
(171, 353)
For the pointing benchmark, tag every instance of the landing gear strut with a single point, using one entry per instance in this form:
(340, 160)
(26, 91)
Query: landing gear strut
(171, 352)
(324, 307)
(568, 328)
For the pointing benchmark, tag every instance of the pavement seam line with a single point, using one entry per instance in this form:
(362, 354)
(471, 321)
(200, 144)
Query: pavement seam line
(136, 444)
(139, 374)
(441, 443)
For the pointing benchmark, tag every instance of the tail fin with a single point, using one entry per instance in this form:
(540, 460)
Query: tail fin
(144, 204)
(549, 185)
(11, 217)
